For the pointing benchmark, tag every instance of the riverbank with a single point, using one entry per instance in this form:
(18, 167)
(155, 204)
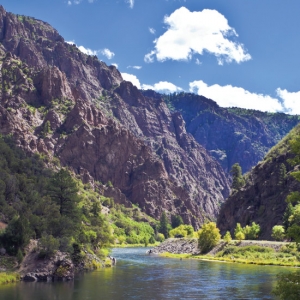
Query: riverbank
(9, 277)
(246, 252)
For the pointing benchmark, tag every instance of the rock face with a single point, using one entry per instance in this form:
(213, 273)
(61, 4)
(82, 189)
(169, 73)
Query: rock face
(66, 105)
(58, 267)
(262, 199)
(232, 135)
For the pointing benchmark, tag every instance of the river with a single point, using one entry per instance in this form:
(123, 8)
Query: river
(140, 276)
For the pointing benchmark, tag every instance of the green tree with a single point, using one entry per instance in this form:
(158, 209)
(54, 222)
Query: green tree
(239, 232)
(278, 232)
(64, 191)
(251, 232)
(288, 286)
(176, 221)
(237, 178)
(227, 237)
(282, 174)
(286, 216)
(209, 237)
(164, 225)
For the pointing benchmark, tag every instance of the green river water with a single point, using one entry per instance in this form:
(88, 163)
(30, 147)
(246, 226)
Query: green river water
(140, 276)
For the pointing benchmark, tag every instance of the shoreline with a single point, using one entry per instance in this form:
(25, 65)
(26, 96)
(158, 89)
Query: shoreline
(255, 252)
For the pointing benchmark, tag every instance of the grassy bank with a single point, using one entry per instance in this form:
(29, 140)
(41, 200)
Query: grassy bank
(9, 277)
(287, 256)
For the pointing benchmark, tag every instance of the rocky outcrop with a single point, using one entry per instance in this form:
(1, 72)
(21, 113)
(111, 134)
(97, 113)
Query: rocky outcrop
(66, 105)
(177, 246)
(57, 267)
(262, 199)
(231, 135)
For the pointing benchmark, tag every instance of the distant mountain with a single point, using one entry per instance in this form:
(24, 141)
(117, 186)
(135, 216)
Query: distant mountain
(75, 110)
(262, 199)
(231, 135)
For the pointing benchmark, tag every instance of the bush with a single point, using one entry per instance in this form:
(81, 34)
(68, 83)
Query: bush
(227, 237)
(48, 245)
(278, 233)
(209, 237)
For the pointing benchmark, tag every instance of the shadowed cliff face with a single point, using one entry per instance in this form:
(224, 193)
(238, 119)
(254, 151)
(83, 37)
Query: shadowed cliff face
(62, 103)
(231, 135)
(262, 199)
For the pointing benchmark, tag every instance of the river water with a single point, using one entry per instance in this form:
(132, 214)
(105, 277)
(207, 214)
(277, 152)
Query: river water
(140, 276)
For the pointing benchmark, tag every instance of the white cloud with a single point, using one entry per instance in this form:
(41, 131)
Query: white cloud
(106, 52)
(134, 67)
(291, 101)
(198, 62)
(152, 30)
(87, 51)
(69, 3)
(149, 57)
(197, 32)
(116, 65)
(78, 1)
(131, 3)
(162, 87)
(231, 96)
(132, 78)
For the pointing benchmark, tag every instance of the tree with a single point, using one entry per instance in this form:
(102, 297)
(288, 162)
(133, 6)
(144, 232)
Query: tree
(227, 237)
(64, 191)
(282, 174)
(287, 214)
(239, 232)
(288, 286)
(164, 225)
(176, 221)
(278, 232)
(251, 232)
(237, 178)
(209, 237)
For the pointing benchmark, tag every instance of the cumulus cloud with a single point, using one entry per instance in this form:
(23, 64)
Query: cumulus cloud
(291, 101)
(231, 96)
(132, 78)
(152, 30)
(88, 51)
(116, 65)
(162, 86)
(191, 33)
(107, 53)
(131, 3)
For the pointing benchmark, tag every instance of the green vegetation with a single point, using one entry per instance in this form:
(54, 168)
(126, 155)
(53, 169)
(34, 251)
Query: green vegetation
(61, 211)
(8, 277)
(248, 232)
(288, 286)
(227, 237)
(237, 178)
(182, 231)
(209, 237)
(278, 233)
(164, 226)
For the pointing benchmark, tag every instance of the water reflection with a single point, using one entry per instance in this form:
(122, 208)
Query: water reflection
(140, 276)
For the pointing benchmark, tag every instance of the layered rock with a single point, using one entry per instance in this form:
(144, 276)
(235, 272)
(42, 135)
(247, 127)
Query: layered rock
(62, 103)
(232, 135)
(262, 199)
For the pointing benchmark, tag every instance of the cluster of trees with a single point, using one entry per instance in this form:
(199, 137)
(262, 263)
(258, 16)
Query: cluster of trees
(248, 232)
(57, 209)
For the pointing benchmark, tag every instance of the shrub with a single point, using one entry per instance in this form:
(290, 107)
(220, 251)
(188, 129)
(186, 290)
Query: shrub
(227, 237)
(278, 232)
(209, 236)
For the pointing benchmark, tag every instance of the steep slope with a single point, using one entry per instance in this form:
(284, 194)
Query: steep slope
(231, 134)
(262, 199)
(70, 106)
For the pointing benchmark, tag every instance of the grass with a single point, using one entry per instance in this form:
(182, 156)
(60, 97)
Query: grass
(288, 256)
(9, 278)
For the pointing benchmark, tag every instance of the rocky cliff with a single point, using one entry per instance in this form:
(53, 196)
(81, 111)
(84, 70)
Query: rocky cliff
(74, 109)
(231, 135)
(262, 199)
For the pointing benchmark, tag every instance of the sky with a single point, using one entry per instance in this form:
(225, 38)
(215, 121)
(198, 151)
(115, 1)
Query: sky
(239, 53)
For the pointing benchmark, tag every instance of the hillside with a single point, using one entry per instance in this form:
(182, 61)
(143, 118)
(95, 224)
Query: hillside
(73, 108)
(232, 135)
(262, 199)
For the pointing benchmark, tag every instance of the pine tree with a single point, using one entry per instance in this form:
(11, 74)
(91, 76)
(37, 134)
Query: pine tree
(237, 178)
(164, 225)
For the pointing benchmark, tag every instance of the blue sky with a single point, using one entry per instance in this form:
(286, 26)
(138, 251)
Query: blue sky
(241, 53)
